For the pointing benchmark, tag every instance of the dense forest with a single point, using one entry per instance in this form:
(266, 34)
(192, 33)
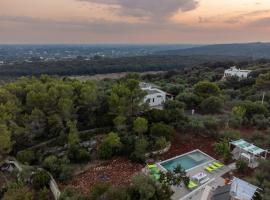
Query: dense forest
(100, 65)
(251, 50)
(57, 123)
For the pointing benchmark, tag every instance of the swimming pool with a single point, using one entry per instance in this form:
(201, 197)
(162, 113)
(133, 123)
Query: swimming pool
(187, 161)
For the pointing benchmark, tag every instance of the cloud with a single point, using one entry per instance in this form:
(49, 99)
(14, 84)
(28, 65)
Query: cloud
(155, 9)
(263, 22)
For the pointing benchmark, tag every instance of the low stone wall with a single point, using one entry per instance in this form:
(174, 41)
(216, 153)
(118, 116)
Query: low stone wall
(159, 151)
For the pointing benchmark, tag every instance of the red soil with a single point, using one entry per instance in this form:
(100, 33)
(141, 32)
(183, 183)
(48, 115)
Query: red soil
(120, 170)
(185, 143)
(117, 172)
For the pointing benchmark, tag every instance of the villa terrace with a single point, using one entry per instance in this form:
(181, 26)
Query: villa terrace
(195, 164)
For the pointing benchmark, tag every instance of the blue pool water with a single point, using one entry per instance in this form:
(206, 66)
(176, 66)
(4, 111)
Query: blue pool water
(187, 161)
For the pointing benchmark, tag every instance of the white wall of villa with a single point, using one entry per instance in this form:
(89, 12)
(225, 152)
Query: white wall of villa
(234, 71)
(155, 97)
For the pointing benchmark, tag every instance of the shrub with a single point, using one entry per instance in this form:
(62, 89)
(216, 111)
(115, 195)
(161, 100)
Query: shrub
(144, 187)
(222, 148)
(260, 121)
(161, 143)
(41, 179)
(140, 150)
(71, 194)
(66, 173)
(18, 191)
(43, 193)
(230, 134)
(116, 193)
(252, 109)
(105, 151)
(51, 163)
(98, 190)
(196, 126)
(26, 156)
(162, 130)
(83, 156)
(109, 146)
(241, 166)
(211, 105)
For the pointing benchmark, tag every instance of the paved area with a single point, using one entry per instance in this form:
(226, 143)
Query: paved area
(215, 180)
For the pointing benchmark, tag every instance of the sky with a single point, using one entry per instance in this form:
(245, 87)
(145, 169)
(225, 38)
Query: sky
(134, 21)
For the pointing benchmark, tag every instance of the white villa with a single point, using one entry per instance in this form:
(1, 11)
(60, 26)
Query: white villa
(155, 97)
(233, 71)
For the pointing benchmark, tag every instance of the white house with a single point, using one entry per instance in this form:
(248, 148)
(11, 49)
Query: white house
(233, 71)
(155, 97)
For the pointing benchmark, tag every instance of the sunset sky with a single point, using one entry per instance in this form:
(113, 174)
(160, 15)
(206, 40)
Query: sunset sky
(134, 21)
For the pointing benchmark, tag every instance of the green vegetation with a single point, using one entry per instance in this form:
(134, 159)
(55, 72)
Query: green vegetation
(241, 166)
(59, 123)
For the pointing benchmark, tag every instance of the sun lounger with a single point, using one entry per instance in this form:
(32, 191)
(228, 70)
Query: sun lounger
(156, 176)
(154, 170)
(192, 185)
(218, 164)
(151, 166)
(209, 169)
(213, 166)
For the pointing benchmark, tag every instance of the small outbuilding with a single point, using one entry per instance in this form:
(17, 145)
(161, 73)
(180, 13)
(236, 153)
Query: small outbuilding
(244, 150)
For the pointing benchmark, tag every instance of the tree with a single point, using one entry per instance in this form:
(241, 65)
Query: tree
(41, 179)
(175, 178)
(145, 188)
(125, 98)
(73, 135)
(261, 178)
(140, 150)
(253, 108)
(162, 130)
(140, 126)
(263, 81)
(26, 156)
(109, 146)
(37, 123)
(211, 105)
(222, 148)
(5, 140)
(191, 100)
(206, 89)
(120, 122)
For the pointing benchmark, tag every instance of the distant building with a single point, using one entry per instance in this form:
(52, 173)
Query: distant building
(234, 72)
(155, 97)
(1, 62)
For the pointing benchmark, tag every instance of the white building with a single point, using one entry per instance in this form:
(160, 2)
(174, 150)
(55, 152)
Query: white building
(155, 97)
(233, 71)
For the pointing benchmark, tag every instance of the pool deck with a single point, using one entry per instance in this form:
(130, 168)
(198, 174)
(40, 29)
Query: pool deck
(215, 180)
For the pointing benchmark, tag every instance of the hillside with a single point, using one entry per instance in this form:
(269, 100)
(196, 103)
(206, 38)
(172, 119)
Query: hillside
(250, 50)
(110, 65)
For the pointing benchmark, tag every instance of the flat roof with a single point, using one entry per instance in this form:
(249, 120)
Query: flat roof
(152, 91)
(248, 147)
(222, 193)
